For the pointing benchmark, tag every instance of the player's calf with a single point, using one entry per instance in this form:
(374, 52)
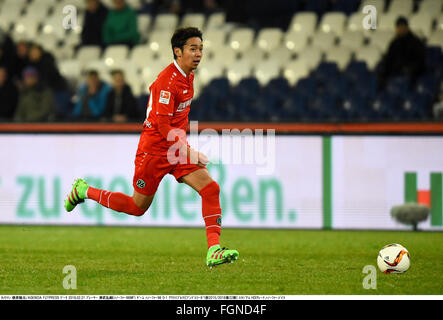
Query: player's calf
(113, 200)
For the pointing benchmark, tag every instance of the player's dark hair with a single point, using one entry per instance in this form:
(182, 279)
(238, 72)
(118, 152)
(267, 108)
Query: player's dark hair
(182, 35)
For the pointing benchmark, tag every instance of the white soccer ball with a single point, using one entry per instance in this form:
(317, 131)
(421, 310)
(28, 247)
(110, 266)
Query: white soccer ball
(393, 258)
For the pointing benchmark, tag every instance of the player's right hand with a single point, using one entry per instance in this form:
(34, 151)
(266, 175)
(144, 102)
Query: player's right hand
(202, 160)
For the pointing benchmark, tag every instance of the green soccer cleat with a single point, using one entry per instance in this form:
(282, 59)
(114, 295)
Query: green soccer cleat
(217, 255)
(77, 195)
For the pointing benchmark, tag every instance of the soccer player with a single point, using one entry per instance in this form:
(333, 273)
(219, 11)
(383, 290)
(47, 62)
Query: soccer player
(163, 149)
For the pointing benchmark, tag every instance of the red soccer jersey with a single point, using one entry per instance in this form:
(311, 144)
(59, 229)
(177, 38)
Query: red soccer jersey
(170, 95)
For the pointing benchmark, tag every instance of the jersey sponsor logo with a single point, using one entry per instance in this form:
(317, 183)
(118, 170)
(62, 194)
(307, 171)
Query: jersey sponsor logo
(182, 106)
(165, 96)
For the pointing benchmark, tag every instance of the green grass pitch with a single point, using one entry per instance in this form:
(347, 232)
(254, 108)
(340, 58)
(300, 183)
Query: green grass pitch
(171, 261)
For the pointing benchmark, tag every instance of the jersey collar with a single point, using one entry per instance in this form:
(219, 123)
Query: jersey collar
(179, 69)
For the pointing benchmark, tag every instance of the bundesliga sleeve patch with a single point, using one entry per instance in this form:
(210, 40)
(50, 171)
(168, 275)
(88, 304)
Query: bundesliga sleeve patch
(165, 96)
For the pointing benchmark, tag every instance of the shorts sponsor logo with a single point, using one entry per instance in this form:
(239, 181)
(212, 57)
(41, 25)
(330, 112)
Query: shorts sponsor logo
(165, 96)
(140, 183)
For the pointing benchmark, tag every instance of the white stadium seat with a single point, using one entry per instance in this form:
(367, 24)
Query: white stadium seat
(282, 55)
(135, 4)
(215, 21)
(324, 41)
(15, 2)
(264, 72)
(436, 39)
(37, 10)
(224, 56)
(352, 39)
(144, 22)
(134, 81)
(378, 4)
(269, 38)
(159, 41)
(54, 25)
(241, 39)
(196, 20)
(10, 12)
(311, 56)
(114, 54)
(70, 68)
(80, 5)
(381, 39)
(72, 40)
(355, 22)
(49, 42)
(295, 41)
(214, 39)
(150, 72)
(386, 22)
(333, 22)
(304, 22)
(421, 24)
(140, 55)
(339, 55)
(295, 71)
(439, 24)
(166, 22)
(238, 71)
(88, 53)
(253, 56)
(401, 7)
(208, 71)
(25, 29)
(369, 54)
(431, 7)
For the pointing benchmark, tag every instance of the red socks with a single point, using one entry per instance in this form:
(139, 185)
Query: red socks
(115, 200)
(211, 212)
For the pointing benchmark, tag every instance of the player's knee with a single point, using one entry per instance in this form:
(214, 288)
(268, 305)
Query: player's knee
(136, 211)
(139, 209)
(212, 189)
(140, 204)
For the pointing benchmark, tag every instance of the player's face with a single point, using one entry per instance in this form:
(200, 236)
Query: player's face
(191, 54)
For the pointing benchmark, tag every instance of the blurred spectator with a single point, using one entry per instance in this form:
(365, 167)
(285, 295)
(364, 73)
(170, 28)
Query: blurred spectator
(405, 56)
(22, 51)
(8, 96)
(121, 25)
(35, 101)
(95, 17)
(46, 66)
(121, 105)
(50, 76)
(260, 14)
(91, 98)
(167, 6)
(438, 107)
(7, 52)
(181, 7)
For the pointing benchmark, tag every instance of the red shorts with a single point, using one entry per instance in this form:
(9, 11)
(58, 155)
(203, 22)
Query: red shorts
(150, 170)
